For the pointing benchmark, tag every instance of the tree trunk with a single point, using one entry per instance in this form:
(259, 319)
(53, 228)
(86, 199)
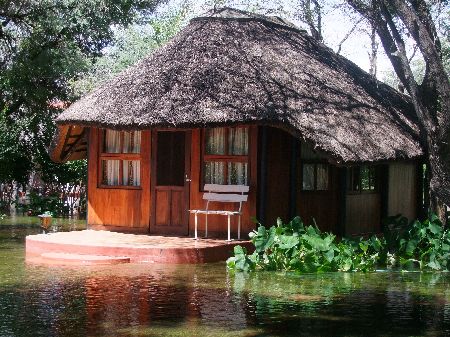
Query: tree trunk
(431, 99)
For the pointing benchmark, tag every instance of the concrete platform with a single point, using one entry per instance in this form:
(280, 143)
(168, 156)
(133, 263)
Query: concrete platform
(102, 247)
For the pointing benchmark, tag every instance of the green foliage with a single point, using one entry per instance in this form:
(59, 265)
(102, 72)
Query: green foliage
(130, 44)
(14, 162)
(423, 245)
(305, 249)
(43, 45)
(50, 203)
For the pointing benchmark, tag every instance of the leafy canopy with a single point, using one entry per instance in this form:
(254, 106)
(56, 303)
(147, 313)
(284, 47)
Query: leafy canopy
(43, 45)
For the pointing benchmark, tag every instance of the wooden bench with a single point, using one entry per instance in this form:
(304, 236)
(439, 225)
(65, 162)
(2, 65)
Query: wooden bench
(222, 194)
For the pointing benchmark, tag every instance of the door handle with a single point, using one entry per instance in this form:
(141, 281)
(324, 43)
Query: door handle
(187, 179)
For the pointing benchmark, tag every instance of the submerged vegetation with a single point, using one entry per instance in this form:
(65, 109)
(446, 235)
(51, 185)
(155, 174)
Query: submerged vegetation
(305, 249)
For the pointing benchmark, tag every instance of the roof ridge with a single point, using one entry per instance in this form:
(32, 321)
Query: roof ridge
(229, 13)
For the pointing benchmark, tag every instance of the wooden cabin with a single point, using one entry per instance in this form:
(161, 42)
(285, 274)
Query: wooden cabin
(241, 99)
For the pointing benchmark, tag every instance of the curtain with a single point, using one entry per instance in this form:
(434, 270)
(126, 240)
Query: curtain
(215, 141)
(131, 172)
(132, 142)
(214, 172)
(308, 177)
(110, 172)
(237, 173)
(112, 141)
(238, 141)
(322, 177)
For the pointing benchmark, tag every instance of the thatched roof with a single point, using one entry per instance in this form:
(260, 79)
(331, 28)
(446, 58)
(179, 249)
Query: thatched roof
(233, 67)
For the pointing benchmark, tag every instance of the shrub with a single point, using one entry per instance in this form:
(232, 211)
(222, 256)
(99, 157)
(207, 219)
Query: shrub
(305, 249)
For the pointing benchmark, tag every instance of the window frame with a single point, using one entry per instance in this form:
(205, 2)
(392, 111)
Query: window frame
(360, 190)
(117, 156)
(226, 158)
(315, 163)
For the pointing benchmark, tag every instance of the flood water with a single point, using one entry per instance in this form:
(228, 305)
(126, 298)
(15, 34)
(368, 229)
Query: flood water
(206, 300)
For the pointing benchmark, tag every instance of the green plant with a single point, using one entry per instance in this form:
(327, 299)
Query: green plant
(51, 203)
(305, 249)
(423, 245)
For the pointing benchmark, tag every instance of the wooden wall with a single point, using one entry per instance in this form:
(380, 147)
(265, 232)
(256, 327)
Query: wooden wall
(118, 208)
(322, 206)
(217, 224)
(402, 196)
(363, 213)
(279, 151)
(130, 209)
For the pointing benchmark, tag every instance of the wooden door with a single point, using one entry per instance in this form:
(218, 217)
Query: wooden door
(170, 182)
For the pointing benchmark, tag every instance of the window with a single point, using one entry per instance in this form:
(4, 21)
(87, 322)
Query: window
(225, 156)
(120, 158)
(363, 179)
(315, 177)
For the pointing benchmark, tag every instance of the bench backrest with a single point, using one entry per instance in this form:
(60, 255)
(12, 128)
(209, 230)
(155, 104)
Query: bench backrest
(226, 188)
(225, 193)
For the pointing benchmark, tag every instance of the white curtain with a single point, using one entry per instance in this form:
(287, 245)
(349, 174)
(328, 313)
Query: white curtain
(322, 177)
(112, 141)
(215, 141)
(111, 172)
(131, 172)
(308, 177)
(237, 173)
(132, 142)
(214, 172)
(238, 141)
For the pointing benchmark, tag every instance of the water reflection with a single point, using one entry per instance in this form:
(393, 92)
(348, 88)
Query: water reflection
(206, 300)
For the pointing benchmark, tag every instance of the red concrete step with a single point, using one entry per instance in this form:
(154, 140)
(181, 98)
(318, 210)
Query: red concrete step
(85, 259)
(138, 248)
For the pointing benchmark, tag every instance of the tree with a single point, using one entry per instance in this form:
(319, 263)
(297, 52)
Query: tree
(43, 45)
(395, 21)
(131, 44)
(310, 12)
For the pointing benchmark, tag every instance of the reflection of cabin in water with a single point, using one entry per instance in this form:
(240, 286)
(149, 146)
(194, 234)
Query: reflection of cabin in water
(237, 98)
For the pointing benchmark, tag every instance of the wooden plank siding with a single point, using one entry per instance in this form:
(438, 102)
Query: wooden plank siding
(363, 213)
(322, 206)
(118, 208)
(278, 173)
(403, 189)
(129, 209)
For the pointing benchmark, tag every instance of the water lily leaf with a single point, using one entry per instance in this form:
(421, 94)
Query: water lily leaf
(264, 238)
(435, 228)
(434, 264)
(288, 241)
(411, 247)
(346, 265)
(364, 246)
(329, 255)
(316, 242)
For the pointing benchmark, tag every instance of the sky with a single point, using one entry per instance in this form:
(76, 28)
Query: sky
(337, 22)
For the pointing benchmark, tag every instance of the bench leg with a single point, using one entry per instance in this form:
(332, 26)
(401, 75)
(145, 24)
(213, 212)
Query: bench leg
(229, 228)
(206, 226)
(239, 228)
(195, 226)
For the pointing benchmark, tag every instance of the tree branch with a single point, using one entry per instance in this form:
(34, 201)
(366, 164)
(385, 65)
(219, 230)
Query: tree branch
(349, 33)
